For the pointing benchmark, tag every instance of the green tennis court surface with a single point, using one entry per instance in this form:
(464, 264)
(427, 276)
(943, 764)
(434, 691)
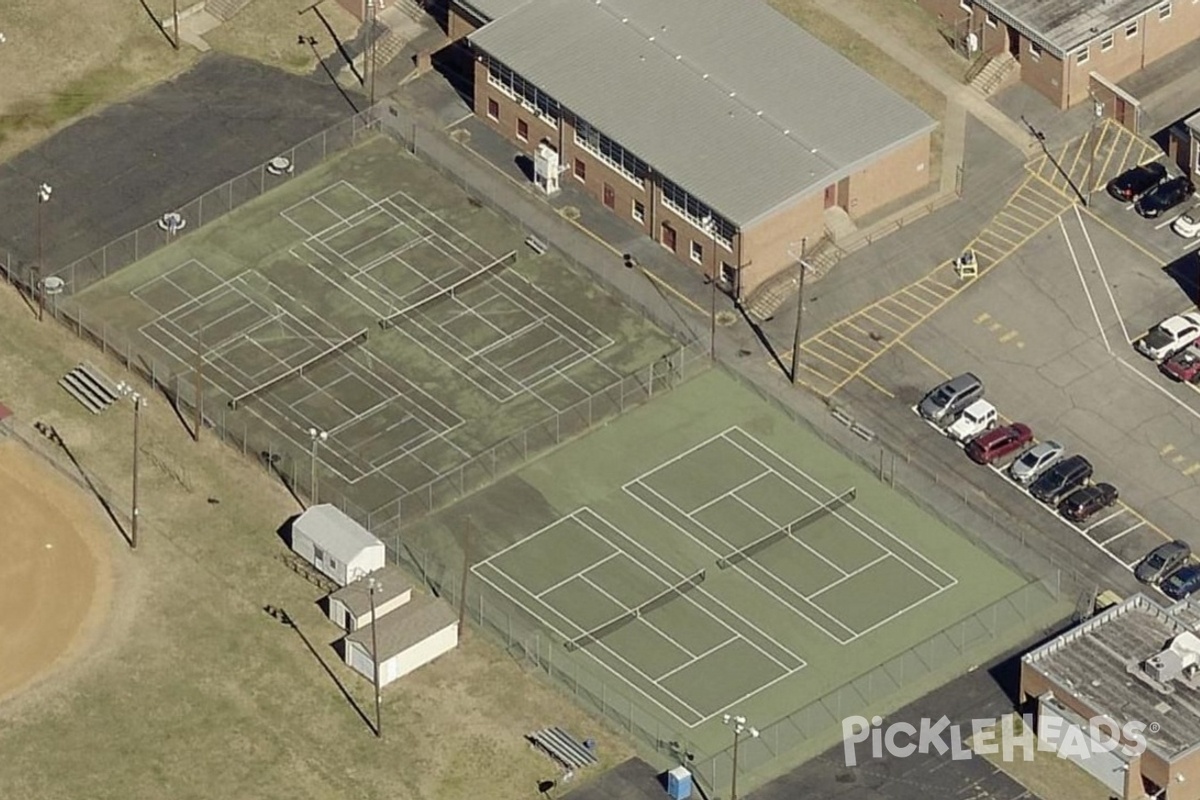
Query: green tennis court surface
(372, 300)
(704, 555)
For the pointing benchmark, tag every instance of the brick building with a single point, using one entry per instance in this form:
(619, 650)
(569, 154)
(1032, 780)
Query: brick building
(1058, 44)
(717, 127)
(1136, 662)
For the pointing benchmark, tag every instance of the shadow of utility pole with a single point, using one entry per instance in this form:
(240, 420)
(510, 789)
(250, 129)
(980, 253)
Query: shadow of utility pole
(50, 433)
(159, 24)
(286, 619)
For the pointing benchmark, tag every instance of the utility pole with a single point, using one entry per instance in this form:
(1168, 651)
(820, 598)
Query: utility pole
(468, 535)
(137, 416)
(371, 12)
(175, 11)
(710, 227)
(373, 586)
(799, 313)
(199, 421)
(317, 437)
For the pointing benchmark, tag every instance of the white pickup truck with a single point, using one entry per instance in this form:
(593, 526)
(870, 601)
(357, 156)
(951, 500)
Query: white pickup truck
(974, 420)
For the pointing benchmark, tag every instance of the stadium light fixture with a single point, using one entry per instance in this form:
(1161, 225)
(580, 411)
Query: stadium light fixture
(126, 390)
(740, 728)
(317, 437)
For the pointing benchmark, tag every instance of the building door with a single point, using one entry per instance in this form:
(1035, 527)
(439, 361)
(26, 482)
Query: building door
(1014, 43)
(668, 237)
(831, 195)
(610, 197)
(843, 193)
(1120, 109)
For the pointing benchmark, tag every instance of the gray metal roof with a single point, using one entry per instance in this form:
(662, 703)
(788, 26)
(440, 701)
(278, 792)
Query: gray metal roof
(1063, 26)
(727, 98)
(1193, 121)
(410, 624)
(490, 9)
(334, 532)
(1090, 661)
(356, 596)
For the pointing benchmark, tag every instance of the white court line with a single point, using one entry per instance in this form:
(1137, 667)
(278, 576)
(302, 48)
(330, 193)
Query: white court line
(737, 567)
(851, 509)
(626, 609)
(543, 621)
(678, 576)
(577, 574)
(1087, 292)
(1130, 529)
(847, 576)
(792, 537)
(696, 658)
(1099, 268)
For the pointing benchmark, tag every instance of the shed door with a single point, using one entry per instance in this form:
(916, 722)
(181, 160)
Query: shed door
(361, 662)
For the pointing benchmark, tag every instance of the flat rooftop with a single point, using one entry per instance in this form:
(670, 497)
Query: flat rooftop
(1066, 25)
(1092, 660)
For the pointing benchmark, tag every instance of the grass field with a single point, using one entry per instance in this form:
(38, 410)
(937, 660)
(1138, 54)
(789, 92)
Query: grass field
(328, 293)
(598, 547)
(189, 690)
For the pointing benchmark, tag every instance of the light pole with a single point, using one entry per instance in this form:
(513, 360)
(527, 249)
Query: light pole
(1097, 113)
(372, 587)
(710, 227)
(371, 55)
(739, 727)
(799, 312)
(43, 196)
(317, 437)
(138, 400)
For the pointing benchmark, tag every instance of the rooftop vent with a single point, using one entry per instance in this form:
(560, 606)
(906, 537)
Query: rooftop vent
(1181, 659)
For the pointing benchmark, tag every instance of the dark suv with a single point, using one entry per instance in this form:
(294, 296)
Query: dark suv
(1137, 181)
(1060, 480)
(1164, 197)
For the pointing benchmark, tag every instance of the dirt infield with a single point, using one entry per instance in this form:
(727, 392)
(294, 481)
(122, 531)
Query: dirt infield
(54, 578)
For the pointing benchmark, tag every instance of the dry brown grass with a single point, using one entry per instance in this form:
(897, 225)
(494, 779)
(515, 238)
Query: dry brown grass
(193, 691)
(266, 31)
(61, 61)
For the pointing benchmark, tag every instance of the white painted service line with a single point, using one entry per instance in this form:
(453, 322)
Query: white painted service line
(1158, 388)
(1083, 282)
(1103, 277)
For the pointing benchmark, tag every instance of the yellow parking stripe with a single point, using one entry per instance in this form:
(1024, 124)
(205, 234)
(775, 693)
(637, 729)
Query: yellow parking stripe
(851, 342)
(880, 322)
(909, 294)
(835, 353)
(1139, 247)
(925, 360)
(894, 299)
(807, 348)
(877, 387)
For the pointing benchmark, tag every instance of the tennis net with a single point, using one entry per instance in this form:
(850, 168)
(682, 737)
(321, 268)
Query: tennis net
(657, 601)
(506, 260)
(331, 351)
(762, 543)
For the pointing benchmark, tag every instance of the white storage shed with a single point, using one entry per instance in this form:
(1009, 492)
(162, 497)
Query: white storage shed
(413, 635)
(336, 544)
(350, 606)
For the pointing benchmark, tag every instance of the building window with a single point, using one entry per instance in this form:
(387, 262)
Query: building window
(493, 110)
(522, 130)
(1131, 30)
(1106, 43)
(1164, 11)
(1035, 51)
(697, 252)
(697, 213)
(529, 96)
(991, 20)
(610, 152)
(1082, 56)
(580, 169)
(639, 211)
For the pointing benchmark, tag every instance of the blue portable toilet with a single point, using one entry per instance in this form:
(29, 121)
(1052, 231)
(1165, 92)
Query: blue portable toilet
(679, 783)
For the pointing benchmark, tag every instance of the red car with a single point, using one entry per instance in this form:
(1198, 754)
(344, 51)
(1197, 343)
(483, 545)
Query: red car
(1184, 366)
(998, 443)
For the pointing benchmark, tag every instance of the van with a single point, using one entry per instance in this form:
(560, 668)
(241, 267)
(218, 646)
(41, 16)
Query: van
(946, 400)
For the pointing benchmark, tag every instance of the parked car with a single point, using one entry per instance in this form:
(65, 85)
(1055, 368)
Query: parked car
(1170, 336)
(1182, 583)
(1165, 196)
(1060, 480)
(944, 401)
(1161, 561)
(998, 443)
(1184, 366)
(976, 418)
(1035, 461)
(1137, 181)
(1087, 500)
(1187, 224)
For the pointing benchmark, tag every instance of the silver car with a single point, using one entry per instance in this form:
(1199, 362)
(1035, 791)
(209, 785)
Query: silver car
(1035, 461)
(1161, 561)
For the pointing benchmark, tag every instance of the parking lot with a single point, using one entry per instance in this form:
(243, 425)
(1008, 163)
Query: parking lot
(1050, 330)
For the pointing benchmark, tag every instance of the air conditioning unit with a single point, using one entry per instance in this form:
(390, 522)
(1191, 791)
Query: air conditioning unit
(546, 168)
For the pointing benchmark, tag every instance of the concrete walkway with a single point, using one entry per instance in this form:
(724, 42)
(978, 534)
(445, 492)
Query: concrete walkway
(956, 92)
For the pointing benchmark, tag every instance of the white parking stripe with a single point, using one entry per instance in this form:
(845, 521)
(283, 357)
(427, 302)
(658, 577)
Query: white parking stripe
(1130, 529)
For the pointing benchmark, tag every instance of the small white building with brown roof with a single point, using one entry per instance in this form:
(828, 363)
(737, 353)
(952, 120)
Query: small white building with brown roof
(350, 606)
(408, 637)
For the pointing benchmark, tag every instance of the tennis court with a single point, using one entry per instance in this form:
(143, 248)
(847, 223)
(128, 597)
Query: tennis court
(373, 320)
(704, 555)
